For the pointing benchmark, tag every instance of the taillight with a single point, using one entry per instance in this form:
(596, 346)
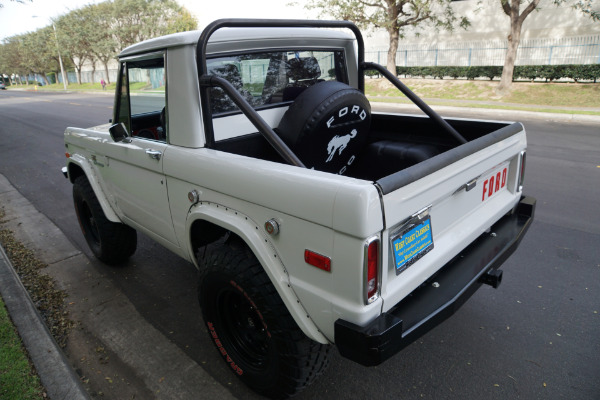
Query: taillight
(522, 172)
(372, 276)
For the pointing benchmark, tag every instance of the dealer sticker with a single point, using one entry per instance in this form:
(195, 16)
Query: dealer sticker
(412, 244)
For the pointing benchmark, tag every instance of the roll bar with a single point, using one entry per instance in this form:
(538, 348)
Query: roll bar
(207, 81)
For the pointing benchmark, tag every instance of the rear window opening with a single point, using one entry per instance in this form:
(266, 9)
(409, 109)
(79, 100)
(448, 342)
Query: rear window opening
(267, 79)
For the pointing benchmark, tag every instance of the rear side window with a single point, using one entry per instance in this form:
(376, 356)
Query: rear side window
(268, 78)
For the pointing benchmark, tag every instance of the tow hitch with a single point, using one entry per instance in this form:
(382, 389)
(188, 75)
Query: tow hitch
(493, 278)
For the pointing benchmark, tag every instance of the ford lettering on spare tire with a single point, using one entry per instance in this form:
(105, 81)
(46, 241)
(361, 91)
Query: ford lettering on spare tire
(327, 125)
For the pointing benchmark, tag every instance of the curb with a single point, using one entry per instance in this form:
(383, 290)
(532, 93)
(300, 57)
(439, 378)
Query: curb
(57, 376)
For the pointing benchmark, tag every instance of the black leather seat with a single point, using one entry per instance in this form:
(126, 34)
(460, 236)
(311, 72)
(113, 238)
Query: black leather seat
(386, 157)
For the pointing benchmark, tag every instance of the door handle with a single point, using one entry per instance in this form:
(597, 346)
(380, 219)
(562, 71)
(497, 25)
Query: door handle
(155, 154)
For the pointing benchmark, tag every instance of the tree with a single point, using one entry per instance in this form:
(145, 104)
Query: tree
(103, 43)
(13, 51)
(73, 35)
(393, 16)
(35, 53)
(92, 33)
(137, 20)
(512, 8)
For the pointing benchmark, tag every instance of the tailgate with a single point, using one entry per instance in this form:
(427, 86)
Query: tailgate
(435, 209)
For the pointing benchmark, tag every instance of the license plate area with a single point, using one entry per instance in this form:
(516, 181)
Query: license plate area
(411, 242)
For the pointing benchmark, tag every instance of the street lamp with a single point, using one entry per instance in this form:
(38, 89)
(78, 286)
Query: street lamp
(62, 69)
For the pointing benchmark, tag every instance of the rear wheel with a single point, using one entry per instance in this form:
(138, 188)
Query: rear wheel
(251, 327)
(112, 243)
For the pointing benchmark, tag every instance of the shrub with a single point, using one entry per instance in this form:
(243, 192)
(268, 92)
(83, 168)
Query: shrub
(550, 73)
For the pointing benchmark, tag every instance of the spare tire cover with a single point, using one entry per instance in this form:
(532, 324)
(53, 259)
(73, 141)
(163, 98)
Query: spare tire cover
(327, 125)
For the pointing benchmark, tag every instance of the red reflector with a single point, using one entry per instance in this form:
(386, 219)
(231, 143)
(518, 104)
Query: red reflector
(372, 263)
(317, 260)
(67, 155)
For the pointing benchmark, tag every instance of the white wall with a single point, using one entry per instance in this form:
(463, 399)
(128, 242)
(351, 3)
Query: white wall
(488, 22)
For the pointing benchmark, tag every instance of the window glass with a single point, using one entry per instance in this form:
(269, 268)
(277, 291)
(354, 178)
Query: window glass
(273, 77)
(143, 98)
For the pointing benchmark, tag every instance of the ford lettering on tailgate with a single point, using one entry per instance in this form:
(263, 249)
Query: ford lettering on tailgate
(494, 182)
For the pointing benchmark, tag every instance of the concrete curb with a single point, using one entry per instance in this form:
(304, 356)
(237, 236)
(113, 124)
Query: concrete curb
(57, 376)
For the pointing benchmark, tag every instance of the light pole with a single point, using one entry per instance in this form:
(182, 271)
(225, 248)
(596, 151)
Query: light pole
(62, 69)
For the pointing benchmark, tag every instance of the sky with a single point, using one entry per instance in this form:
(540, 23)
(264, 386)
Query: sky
(18, 18)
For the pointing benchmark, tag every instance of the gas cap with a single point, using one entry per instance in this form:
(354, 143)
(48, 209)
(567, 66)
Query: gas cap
(272, 227)
(193, 196)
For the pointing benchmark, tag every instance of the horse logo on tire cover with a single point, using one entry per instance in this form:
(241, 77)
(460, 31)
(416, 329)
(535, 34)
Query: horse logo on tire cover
(339, 143)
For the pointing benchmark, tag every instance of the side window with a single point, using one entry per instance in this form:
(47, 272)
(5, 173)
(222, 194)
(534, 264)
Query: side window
(142, 99)
(268, 78)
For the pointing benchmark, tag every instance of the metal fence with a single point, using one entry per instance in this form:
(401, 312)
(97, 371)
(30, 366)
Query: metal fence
(570, 50)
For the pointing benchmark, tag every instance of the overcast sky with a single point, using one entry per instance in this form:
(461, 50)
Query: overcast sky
(18, 18)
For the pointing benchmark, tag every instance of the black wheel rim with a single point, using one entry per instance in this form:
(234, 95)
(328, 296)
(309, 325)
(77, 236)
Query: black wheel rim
(89, 223)
(243, 328)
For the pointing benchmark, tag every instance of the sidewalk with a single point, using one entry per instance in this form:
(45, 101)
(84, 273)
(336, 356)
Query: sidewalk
(56, 375)
(148, 364)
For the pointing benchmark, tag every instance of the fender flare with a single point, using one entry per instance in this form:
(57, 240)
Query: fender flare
(258, 242)
(78, 161)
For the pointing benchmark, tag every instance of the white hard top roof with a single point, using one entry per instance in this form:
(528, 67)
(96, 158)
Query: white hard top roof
(234, 35)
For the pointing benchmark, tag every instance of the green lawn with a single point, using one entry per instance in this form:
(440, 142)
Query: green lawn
(533, 96)
(18, 380)
(524, 95)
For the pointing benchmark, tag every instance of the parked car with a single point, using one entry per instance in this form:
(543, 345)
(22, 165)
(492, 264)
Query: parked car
(2, 86)
(312, 221)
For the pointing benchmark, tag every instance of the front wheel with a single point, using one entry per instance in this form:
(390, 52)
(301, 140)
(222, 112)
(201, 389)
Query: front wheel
(112, 243)
(251, 327)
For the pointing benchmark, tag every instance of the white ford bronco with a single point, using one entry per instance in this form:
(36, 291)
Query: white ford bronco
(251, 150)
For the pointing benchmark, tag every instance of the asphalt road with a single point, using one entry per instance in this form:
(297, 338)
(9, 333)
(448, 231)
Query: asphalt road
(536, 337)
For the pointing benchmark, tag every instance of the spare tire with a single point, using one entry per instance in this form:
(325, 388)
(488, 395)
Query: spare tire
(327, 125)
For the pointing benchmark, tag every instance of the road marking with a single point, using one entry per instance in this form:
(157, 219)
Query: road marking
(75, 104)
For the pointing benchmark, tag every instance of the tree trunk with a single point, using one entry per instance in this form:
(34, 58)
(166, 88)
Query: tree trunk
(45, 78)
(78, 70)
(391, 56)
(106, 76)
(509, 61)
(514, 38)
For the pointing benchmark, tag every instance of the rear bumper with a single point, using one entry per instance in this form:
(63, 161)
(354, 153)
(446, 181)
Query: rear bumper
(429, 304)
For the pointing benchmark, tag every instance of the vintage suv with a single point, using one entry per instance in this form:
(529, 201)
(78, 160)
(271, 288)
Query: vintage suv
(251, 150)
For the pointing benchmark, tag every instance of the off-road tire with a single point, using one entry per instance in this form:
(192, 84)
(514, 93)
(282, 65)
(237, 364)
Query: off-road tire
(112, 243)
(251, 327)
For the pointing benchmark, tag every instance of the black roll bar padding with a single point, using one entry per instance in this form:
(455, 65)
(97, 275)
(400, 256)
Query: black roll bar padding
(415, 99)
(262, 23)
(208, 81)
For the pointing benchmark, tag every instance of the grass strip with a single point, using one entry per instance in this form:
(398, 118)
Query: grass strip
(486, 106)
(18, 379)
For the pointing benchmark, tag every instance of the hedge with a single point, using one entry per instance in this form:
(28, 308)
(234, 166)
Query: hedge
(576, 72)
